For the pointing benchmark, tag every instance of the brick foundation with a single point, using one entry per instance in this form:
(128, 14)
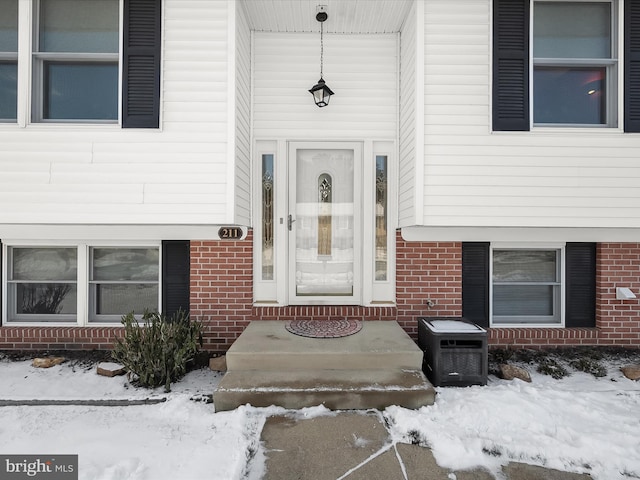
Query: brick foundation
(222, 298)
(58, 338)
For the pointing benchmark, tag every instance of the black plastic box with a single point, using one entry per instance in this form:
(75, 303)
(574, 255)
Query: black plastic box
(455, 351)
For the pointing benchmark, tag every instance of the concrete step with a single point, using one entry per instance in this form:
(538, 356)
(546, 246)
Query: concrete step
(267, 345)
(335, 389)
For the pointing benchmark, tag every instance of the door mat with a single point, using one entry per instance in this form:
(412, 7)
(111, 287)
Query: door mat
(324, 328)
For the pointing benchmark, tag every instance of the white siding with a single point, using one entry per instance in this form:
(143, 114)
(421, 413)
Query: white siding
(360, 69)
(409, 150)
(545, 178)
(92, 174)
(243, 118)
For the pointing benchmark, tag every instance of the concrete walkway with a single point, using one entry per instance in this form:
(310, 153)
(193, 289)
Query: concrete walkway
(357, 446)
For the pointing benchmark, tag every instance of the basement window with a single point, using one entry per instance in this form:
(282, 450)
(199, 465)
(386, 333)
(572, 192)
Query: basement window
(526, 287)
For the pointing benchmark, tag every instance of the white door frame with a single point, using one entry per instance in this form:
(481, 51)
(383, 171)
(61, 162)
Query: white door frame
(274, 290)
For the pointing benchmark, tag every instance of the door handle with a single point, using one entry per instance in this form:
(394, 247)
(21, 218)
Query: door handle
(290, 222)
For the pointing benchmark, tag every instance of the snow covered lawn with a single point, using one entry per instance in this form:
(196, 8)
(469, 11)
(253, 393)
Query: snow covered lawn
(580, 424)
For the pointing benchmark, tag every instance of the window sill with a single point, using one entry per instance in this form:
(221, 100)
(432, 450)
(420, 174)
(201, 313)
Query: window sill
(59, 325)
(527, 325)
(563, 131)
(61, 125)
(595, 130)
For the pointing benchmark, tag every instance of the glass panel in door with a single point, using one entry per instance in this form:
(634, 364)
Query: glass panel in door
(324, 223)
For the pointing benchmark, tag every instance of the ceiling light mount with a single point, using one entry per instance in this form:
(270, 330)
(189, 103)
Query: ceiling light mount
(321, 13)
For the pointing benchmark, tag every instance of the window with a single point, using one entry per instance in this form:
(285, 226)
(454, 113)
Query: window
(556, 63)
(526, 286)
(574, 64)
(42, 284)
(122, 280)
(74, 65)
(76, 61)
(46, 284)
(267, 216)
(529, 286)
(8, 60)
(381, 213)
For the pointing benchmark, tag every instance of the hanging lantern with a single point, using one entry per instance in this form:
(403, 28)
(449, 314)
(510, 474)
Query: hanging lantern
(320, 91)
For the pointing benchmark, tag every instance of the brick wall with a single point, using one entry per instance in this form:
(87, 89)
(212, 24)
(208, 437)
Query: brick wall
(618, 321)
(222, 298)
(427, 271)
(221, 289)
(222, 295)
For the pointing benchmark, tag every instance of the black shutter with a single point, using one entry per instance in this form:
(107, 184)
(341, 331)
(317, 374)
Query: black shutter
(632, 66)
(511, 65)
(175, 276)
(475, 282)
(1, 274)
(580, 294)
(141, 64)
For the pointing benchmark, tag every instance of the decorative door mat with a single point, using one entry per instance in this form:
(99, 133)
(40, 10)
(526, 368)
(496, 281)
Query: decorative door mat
(324, 328)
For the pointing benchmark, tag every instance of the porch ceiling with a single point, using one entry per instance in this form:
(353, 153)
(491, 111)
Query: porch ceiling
(345, 16)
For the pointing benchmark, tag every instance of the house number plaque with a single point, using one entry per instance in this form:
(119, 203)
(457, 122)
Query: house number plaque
(230, 233)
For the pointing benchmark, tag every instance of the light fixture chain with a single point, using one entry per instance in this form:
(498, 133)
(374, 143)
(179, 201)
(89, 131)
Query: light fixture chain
(321, 46)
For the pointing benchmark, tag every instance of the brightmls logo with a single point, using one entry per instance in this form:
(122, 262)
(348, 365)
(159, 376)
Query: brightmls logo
(38, 467)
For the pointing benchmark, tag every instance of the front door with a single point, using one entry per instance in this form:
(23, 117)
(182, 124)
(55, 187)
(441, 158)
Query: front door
(324, 223)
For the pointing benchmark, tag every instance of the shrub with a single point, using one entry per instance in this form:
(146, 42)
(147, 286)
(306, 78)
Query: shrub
(589, 365)
(158, 349)
(550, 366)
(500, 356)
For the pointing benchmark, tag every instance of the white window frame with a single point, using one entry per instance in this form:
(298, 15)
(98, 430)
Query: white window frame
(83, 309)
(614, 76)
(558, 247)
(11, 310)
(11, 58)
(30, 94)
(93, 316)
(381, 292)
(38, 68)
(266, 291)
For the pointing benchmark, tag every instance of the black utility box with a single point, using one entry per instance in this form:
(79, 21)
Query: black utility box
(455, 351)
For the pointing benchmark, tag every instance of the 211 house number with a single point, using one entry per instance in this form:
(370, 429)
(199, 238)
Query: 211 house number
(230, 233)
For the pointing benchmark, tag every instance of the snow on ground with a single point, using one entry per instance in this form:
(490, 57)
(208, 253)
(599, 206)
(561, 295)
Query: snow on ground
(579, 424)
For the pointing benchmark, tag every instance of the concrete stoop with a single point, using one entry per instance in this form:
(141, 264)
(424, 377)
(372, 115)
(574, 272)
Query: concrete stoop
(335, 389)
(377, 367)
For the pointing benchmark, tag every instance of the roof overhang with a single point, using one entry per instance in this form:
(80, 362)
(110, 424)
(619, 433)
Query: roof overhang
(345, 16)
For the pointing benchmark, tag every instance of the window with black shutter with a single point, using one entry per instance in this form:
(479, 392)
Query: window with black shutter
(574, 64)
(526, 284)
(74, 62)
